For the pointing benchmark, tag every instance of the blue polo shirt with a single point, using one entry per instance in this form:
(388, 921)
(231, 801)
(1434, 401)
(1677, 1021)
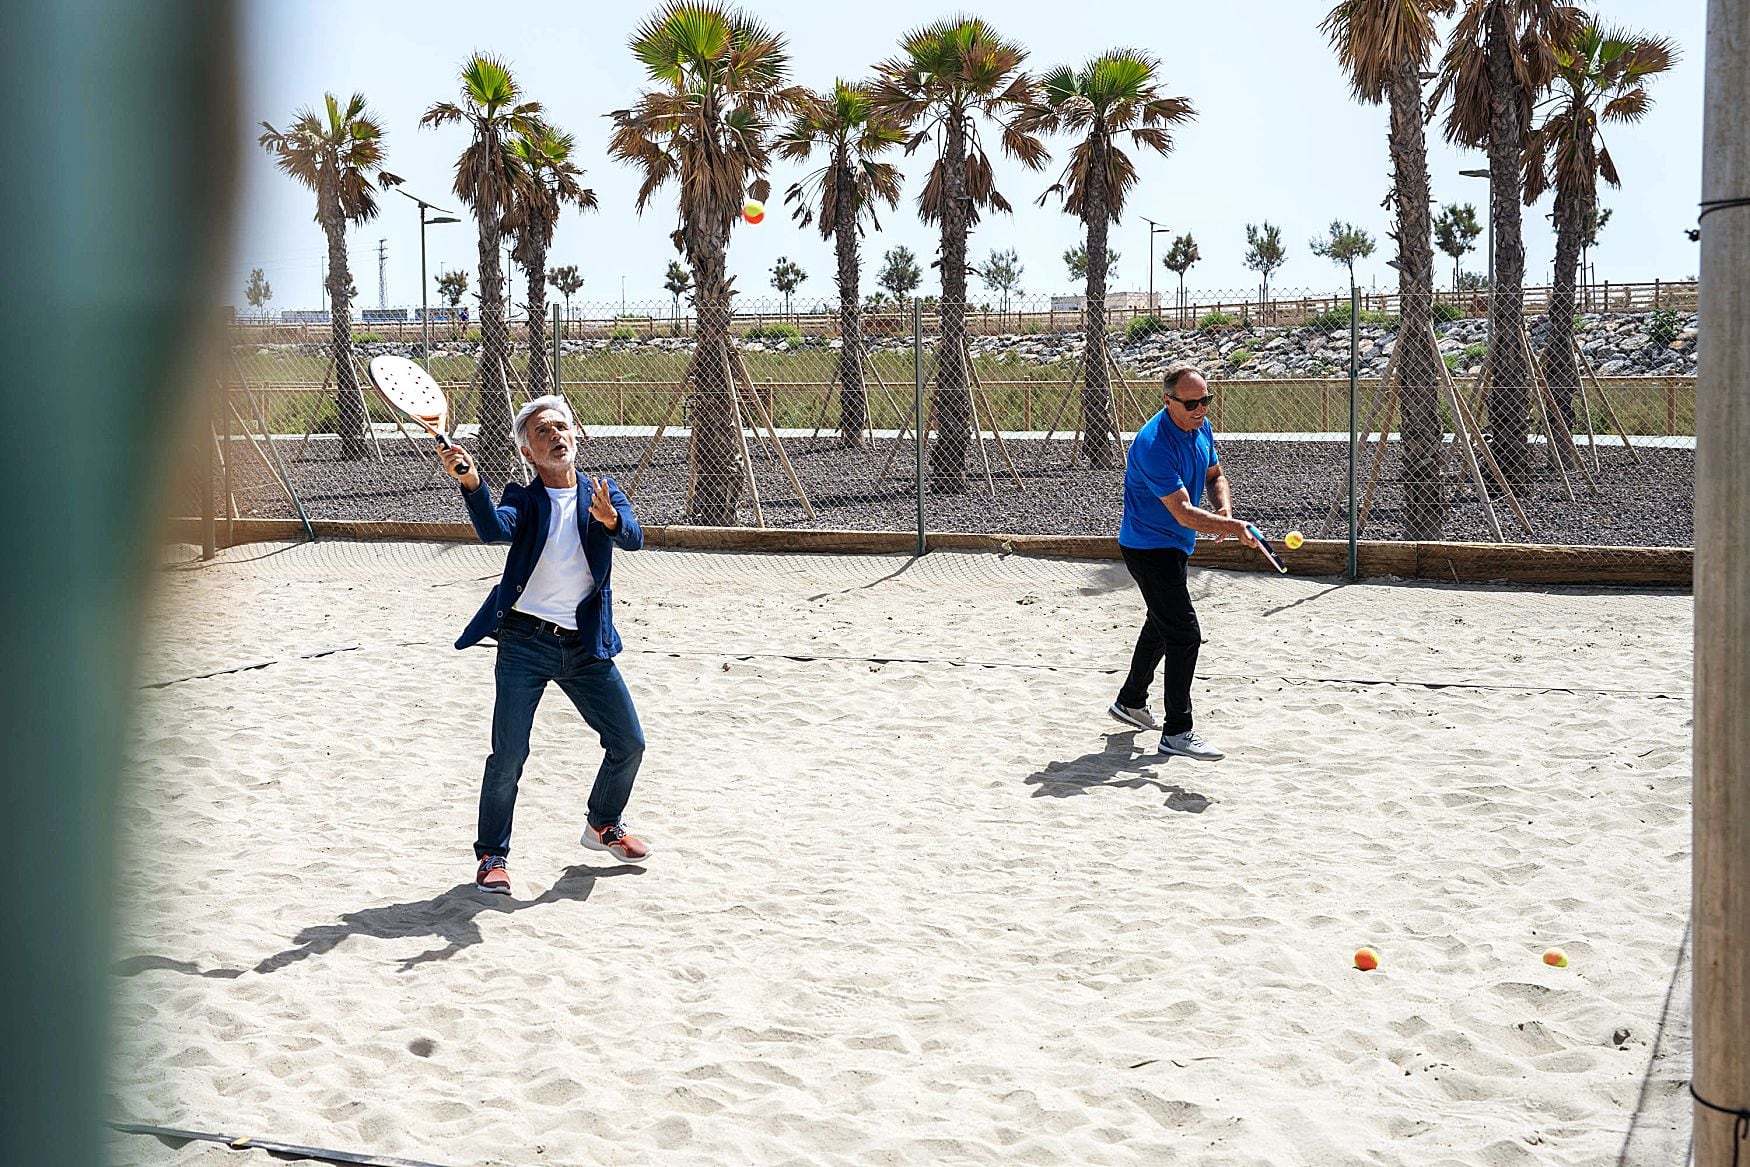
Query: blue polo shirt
(1163, 460)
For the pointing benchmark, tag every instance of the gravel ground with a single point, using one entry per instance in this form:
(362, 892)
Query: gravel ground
(1280, 485)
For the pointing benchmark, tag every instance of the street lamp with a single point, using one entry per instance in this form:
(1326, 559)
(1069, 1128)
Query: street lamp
(1490, 303)
(1154, 229)
(424, 310)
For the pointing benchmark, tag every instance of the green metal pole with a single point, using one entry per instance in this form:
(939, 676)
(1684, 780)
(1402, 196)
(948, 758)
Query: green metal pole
(917, 405)
(1354, 424)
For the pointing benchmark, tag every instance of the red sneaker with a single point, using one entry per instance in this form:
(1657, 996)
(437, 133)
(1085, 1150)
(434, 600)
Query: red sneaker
(616, 842)
(493, 875)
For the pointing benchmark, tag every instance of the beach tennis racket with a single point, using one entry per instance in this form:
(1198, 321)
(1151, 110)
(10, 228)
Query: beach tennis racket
(412, 393)
(1269, 551)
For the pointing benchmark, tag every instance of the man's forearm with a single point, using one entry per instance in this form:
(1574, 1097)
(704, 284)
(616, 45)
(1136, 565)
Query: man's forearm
(1221, 495)
(1207, 522)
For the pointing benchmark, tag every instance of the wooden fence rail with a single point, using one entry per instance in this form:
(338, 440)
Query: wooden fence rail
(1679, 296)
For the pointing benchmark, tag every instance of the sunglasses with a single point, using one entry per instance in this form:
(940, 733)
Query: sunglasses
(1196, 403)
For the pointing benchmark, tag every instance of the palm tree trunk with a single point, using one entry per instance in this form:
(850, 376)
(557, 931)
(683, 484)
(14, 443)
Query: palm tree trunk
(497, 449)
(1559, 365)
(537, 375)
(1509, 358)
(716, 431)
(1418, 360)
(953, 403)
(1100, 438)
(853, 402)
(351, 420)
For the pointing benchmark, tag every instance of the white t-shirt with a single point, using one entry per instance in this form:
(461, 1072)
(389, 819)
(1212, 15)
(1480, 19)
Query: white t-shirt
(562, 576)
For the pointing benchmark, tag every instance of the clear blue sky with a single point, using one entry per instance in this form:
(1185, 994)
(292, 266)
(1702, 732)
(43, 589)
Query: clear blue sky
(1277, 137)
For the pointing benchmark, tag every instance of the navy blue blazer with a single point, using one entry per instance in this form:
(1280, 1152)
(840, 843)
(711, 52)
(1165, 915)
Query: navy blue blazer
(521, 519)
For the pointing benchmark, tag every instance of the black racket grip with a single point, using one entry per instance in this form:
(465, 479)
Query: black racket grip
(462, 467)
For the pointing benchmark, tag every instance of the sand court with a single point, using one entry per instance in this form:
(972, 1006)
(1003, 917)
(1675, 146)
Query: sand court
(915, 897)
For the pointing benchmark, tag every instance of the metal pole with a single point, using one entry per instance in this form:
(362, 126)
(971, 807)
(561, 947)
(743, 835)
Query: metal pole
(209, 439)
(1721, 826)
(558, 385)
(424, 310)
(917, 405)
(1354, 422)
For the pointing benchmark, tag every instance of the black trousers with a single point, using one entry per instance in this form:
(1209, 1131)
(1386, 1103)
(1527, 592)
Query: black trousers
(1170, 636)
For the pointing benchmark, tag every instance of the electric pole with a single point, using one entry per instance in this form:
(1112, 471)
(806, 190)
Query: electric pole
(382, 273)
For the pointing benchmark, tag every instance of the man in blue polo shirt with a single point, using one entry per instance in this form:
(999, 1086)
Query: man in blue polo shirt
(552, 614)
(1170, 465)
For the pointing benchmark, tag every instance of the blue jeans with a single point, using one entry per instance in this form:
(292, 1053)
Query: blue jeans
(527, 660)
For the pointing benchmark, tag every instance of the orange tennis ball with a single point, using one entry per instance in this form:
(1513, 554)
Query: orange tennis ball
(1293, 540)
(1556, 958)
(753, 210)
(1366, 959)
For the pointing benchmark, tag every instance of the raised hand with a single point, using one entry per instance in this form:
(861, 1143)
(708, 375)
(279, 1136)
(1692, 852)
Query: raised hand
(459, 466)
(601, 504)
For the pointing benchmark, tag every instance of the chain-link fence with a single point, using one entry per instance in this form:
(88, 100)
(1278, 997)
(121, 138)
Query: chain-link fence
(1472, 418)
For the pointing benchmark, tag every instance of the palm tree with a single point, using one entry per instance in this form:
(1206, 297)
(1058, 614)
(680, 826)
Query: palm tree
(489, 177)
(948, 76)
(719, 82)
(1178, 260)
(1384, 45)
(845, 125)
(553, 181)
(1601, 77)
(677, 281)
(335, 154)
(1455, 232)
(568, 282)
(1500, 54)
(1112, 95)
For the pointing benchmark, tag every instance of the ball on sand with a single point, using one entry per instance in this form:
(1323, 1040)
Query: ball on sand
(1366, 959)
(1293, 540)
(753, 210)
(1556, 957)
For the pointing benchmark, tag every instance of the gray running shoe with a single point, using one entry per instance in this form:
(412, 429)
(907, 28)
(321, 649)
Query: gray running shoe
(1135, 718)
(1189, 745)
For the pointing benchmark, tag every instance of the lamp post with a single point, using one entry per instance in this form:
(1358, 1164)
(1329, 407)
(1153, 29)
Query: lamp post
(424, 286)
(1490, 302)
(1154, 229)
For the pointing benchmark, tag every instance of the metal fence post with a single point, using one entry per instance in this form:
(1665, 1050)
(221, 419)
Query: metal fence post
(558, 382)
(1354, 423)
(917, 405)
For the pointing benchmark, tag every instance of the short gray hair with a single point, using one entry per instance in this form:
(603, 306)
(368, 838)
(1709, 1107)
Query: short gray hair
(1178, 369)
(551, 401)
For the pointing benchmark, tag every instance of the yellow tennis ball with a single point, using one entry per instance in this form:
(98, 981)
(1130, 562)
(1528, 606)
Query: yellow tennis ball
(1366, 959)
(753, 210)
(1293, 540)
(1556, 957)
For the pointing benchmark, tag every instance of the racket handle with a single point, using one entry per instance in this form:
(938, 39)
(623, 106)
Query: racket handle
(462, 467)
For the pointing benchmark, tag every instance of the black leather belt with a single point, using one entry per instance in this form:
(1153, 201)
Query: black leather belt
(518, 619)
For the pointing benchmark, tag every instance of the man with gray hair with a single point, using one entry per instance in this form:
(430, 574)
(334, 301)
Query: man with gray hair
(1170, 465)
(552, 616)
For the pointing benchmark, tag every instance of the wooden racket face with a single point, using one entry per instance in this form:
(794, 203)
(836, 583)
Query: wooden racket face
(410, 389)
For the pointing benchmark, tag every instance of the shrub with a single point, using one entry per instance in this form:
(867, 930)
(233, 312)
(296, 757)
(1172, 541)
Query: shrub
(1663, 329)
(367, 338)
(1475, 352)
(473, 335)
(623, 332)
(1239, 357)
(1142, 327)
(1215, 320)
(1445, 313)
(1452, 359)
(1338, 317)
(774, 332)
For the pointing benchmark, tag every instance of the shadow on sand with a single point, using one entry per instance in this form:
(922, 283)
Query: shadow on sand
(451, 916)
(1120, 765)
